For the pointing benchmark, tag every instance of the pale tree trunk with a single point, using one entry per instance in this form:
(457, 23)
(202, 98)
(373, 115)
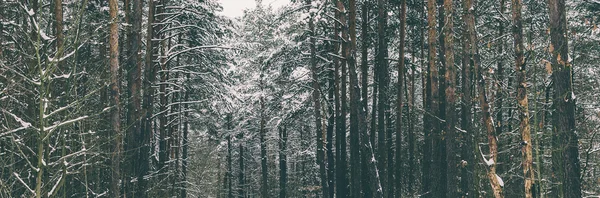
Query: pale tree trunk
(523, 104)
(341, 165)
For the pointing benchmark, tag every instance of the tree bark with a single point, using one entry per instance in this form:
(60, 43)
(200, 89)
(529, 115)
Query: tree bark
(316, 97)
(357, 115)
(399, 107)
(148, 102)
(565, 155)
(340, 120)
(383, 76)
(523, 104)
(283, 162)
(468, 186)
(134, 84)
(115, 92)
(451, 137)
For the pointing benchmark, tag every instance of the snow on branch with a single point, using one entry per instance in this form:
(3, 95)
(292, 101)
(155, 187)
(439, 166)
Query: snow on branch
(50, 129)
(24, 184)
(24, 125)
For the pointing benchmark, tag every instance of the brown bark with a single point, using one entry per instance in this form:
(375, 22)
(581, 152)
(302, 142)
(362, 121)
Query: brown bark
(523, 105)
(452, 160)
(468, 186)
(434, 99)
(115, 91)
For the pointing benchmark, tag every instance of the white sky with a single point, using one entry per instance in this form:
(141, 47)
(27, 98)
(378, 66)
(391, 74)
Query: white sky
(235, 8)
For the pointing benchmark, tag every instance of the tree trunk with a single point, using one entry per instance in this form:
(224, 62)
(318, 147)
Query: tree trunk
(148, 103)
(241, 181)
(565, 155)
(263, 149)
(468, 186)
(383, 75)
(436, 182)
(134, 83)
(330, 125)
(523, 104)
(451, 137)
(487, 119)
(115, 92)
(399, 106)
(357, 115)
(316, 97)
(340, 120)
(283, 162)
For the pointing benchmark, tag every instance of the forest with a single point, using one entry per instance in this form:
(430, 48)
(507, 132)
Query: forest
(317, 98)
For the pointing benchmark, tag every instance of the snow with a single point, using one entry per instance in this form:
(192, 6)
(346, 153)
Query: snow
(487, 162)
(500, 180)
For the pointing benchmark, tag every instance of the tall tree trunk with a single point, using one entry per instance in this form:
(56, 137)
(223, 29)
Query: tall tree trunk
(451, 137)
(355, 181)
(486, 117)
(316, 97)
(399, 106)
(229, 173)
(148, 102)
(427, 127)
(115, 92)
(357, 115)
(263, 148)
(468, 186)
(241, 181)
(364, 63)
(164, 147)
(565, 156)
(498, 105)
(383, 90)
(330, 125)
(341, 165)
(434, 103)
(283, 162)
(524, 128)
(134, 109)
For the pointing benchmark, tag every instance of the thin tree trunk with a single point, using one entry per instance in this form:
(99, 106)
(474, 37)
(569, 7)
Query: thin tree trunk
(148, 103)
(283, 162)
(341, 165)
(565, 155)
(330, 128)
(357, 114)
(399, 104)
(241, 181)
(115, 92)
(263, 149)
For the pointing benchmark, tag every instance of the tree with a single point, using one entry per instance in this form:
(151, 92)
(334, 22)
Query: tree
(565, 155)
(115, 92)
(522, 100)
(399, 101)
